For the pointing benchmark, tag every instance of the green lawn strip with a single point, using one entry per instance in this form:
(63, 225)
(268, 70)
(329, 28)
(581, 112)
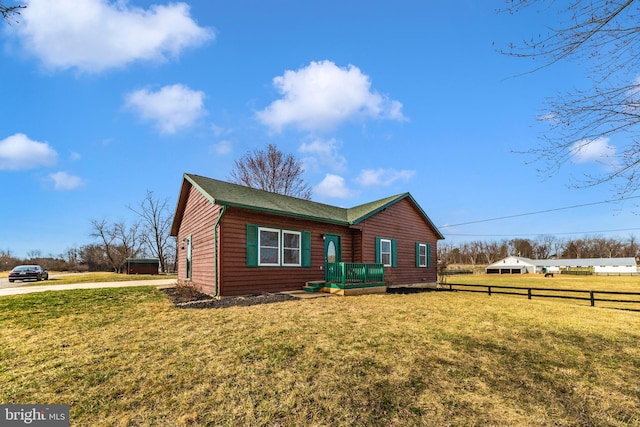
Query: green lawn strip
(96, 278)
(128, 357)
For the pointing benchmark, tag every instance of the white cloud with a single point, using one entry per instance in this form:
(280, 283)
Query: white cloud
(95, 35)
(383, 177)
(19, 152)
(222, 148)
(322, 95)
(171, 108)
(597, 150)
(333, 186)
(323, 153)
(64, 181)
(220, 131)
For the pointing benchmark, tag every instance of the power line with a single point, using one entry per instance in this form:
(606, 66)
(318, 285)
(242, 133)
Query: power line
(539, 212)
(540, 234)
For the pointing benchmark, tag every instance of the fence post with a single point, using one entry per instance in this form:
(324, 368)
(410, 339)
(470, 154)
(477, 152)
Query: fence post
(593, 300)
(489, 290)
(529, 293)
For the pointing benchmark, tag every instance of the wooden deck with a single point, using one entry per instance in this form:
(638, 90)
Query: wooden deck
(349, 278)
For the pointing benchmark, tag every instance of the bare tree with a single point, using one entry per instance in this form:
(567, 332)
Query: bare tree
(603, 35)
(7, 260)
(573, 249)
(473, 251)
(613, 248)
(631, 248)
(34, 254)
(156, 222)
(118, 240)
(271, 170)
(493, 251)
(521, 247)
(543, 246)
(10, 12)
(94, 257)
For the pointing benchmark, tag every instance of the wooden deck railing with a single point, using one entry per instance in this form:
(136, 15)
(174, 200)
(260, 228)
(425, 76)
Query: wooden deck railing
(350, 272)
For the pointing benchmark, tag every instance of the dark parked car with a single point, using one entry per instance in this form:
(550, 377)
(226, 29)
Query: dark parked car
(28, 272)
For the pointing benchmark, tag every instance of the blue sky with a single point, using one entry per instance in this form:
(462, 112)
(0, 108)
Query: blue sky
(101, 101)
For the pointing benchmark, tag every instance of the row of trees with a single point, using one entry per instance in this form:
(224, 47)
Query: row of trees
(543, 247)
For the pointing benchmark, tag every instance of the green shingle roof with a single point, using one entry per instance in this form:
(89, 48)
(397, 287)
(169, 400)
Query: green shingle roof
(225, 193)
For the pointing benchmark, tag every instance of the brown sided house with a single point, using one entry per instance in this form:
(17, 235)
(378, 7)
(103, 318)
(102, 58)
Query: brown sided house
(235, 240)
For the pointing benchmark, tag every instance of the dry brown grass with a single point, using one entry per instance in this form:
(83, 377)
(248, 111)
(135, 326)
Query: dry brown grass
(561, 282)
(127, 357)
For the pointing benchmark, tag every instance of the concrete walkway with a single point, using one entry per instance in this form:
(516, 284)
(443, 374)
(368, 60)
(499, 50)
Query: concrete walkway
(19, 290)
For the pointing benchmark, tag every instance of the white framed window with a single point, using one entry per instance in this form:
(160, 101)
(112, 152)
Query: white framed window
(275, 247)
(385, 252)
(268, 246)
(291, 248)
(422, 255)
(188, 257)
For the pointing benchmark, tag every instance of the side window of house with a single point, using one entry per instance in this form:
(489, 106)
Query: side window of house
(423, 255)
(274, 247)
(386, 252)
(189, 254)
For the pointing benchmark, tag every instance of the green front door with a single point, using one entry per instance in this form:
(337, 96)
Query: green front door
(332, 248)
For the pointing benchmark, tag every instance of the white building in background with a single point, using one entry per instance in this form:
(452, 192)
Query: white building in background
(520, 265)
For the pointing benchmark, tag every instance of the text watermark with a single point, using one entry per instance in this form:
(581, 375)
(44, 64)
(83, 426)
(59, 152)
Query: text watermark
(34, 415)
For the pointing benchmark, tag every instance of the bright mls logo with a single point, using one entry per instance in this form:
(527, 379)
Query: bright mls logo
(34, 415)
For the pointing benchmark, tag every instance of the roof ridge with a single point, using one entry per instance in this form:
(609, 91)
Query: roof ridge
(247, 188)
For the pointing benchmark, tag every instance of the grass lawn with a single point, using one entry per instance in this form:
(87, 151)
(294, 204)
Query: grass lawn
(558, 281)
(128, 357)
(561, 282)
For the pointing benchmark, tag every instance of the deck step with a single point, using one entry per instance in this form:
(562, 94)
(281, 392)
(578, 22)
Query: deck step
(313, 286)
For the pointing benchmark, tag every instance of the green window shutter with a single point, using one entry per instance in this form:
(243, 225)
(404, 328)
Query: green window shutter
(417, 254)
(252, 245)
(306, 249)
(428, 255)
(378, 259)
(394, 257)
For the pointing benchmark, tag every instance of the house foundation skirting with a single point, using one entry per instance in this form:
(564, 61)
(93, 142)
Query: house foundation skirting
(354, 289)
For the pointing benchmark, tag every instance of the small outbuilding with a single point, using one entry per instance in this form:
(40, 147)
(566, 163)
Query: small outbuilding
(142, 265)
(512, 265)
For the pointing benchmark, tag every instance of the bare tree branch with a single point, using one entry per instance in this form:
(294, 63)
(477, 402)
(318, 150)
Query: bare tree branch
(10, 13)
(273, 171)
(604, 35)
